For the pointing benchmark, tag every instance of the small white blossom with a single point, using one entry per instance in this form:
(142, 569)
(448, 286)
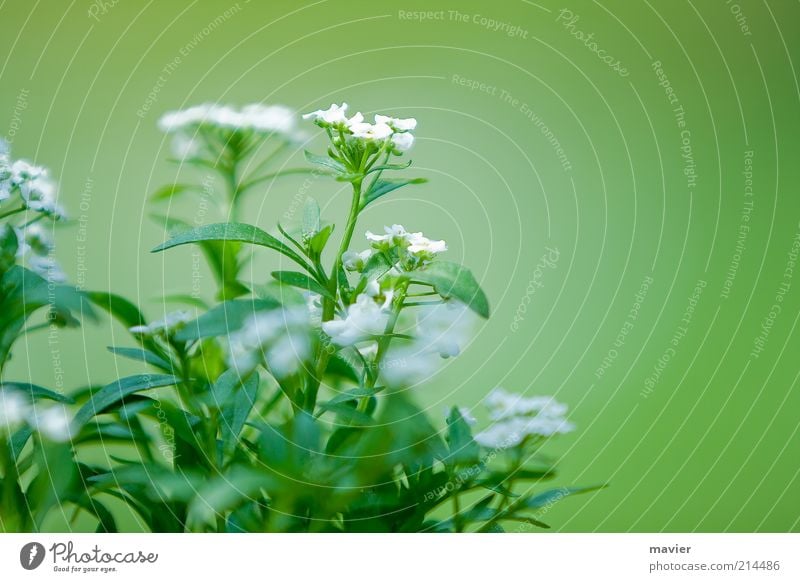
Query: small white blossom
(281, 337)
(355, 261)
(445, 328)
(395, 235)
(171, 323)
(518, 417)
(402, 141)
(396, 124)
(39, 193)
(365, 319)
(269, 118)
(407, 364)
(14, 410)
(53, 423)
(335, 114)
(424, 247)
(48, 268)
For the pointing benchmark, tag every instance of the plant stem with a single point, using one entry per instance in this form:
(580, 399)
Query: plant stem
(329, 305)
(12, 212)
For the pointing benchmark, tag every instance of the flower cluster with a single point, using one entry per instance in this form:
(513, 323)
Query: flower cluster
(389, 132)
(410, 250)
(516, 418)
(253, 119)
(54, 422)
(38, 192)
(280, 338)
(365, 319)
(164, 328)
(35, 245)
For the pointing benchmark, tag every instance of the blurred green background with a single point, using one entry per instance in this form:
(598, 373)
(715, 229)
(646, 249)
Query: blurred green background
(662, 188)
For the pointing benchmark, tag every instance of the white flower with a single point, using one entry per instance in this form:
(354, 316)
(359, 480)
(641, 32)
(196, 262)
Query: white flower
(517, 417)
(396, 124)
(39, 193)
(407, 364)
(269, 118)
(53, 423)
(364, 319)
(503, 404)
(281, 337)
(48, 268)
(185, 146)
(424, 247)
(355, 261)
(369, 131)
(13, 410)
(333, 115)
(444, 328)
(402, 141)
(396, 235)
(171, 323)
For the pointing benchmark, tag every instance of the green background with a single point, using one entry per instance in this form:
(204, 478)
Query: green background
(714, 445)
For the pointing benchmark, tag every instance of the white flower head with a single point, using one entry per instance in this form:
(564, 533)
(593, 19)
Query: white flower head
(355, 261)
(397, 124)
(423, 247)
(407, 364)
(445, 328)
(334, 115)
(14, 409)
(48, 268)
(38, 191)
(402, 142)
(518, 417)
(364, 319)
(53, 423)
(395, 235)
(172, 322)
(279, 337)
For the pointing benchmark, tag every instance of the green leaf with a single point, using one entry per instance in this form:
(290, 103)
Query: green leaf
(326, 162)
(552, 496)
(115, 392)
(311, 219)
(463, 449)
(36, 392)
(141, 355)
(224, 318)
(383, 167)
(236, 397)
(231, 231)
(319, 240)
(118, 307)
(383, 187)
(453, 280)
(301, 281)
(350, 395)
(170, 190)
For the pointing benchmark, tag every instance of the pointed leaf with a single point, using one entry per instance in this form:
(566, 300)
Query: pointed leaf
(117, 391)
(383, 187)
(231, 231)
(301, 281)
(453, 280)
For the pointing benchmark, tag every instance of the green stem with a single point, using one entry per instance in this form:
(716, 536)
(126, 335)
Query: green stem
(12, 212)
(329, 305)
